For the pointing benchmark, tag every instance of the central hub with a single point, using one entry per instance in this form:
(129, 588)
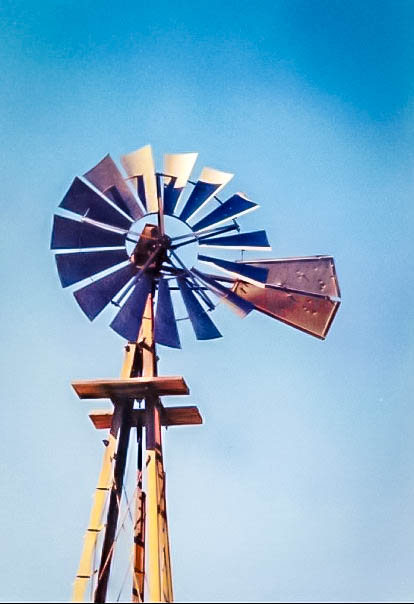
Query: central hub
(151, 245)
(176, 230)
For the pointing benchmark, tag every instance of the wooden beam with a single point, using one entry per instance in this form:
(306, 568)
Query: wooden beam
(170, 416)
(136, 388)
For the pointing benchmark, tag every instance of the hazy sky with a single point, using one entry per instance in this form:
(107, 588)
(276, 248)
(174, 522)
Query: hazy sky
(300, 484)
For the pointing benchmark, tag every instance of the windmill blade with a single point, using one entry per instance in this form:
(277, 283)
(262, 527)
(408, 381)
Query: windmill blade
(78, 266)
(252, 274)
(240, 306)
(177, 170)
(310, 274)
(82, 199)
(257, 240)
(166, 332)
(128, 321)
(209, 184)
(309, 313)
(73, 234)
(107, 178)
(94, 297)
(236, 206)
(139, 165)
(203, 326)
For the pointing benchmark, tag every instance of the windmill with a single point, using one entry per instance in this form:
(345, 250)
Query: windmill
(119, 242)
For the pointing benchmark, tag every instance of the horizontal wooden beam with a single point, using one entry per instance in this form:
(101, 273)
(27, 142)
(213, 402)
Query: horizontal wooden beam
(170, 416)
(137, 388)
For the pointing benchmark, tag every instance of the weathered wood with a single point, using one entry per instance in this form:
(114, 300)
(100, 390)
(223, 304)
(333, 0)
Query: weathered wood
(170, 416)
(136, 388)
(114, 505)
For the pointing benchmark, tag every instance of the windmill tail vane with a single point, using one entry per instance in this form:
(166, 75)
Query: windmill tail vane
(115, 247)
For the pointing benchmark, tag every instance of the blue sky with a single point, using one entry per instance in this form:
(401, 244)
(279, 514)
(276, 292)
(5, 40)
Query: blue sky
(300, 484)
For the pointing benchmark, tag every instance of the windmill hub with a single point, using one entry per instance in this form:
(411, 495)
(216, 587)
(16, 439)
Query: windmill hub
(151, 250)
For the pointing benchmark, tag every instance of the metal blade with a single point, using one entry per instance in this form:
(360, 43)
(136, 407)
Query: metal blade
(309, 313)
(209, 184)
(78, 266)
(128, 321)
(94, 297)
(72, 234)
(139, 165)
(256, 240)
(236, 206)
(240, 306)
(107, 178)
(166, 332)
(311, 274)
(253, 274)
(203, 326)
(86, 201)
(177, 170)
(114, 195)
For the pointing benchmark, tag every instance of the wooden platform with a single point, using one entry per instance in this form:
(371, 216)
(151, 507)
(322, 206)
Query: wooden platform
(137, 388)
(170, 416)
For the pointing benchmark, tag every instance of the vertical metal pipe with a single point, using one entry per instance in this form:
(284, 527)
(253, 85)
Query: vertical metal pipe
(160, 201)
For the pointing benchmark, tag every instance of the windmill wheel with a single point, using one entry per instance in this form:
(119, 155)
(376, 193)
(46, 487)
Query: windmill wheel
(123, 264)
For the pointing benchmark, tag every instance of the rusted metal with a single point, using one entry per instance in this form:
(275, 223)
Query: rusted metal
(309, 313)
(150, 240)
(310, 274)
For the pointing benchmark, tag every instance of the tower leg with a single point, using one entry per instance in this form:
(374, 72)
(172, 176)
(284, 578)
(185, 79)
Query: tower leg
(160, 582)
(139, 530)
(85, 568)
(159, 565)
(153, 443)
(114, 501)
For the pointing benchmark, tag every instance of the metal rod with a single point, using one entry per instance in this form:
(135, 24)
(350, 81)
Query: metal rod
(210, 232)
(160, 204)
(203, 295)
(206, 236)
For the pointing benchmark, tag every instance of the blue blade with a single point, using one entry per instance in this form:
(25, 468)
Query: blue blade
(233, 207)
(239, 305)
(171, 196)
(114, 195)
(107, 178)
(83, 200)
(72, 234)
(94, 297)
(245, 271)
(255, 240)
(201, 192)
(203, 326)
(78, 266)
(177, 170)
(128, 321)
(140, 168)
(166, 332)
